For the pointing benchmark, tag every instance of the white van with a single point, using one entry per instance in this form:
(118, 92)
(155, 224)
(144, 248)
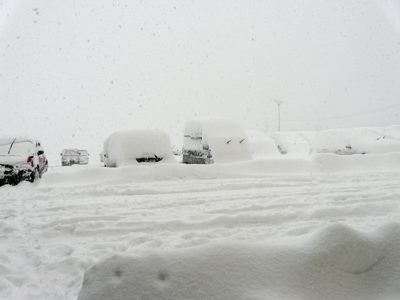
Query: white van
(219, 141)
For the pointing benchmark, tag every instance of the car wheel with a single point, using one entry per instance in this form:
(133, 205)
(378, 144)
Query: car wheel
(15, 180)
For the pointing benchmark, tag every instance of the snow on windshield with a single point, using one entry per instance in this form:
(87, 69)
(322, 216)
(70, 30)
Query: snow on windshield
(24, 147)
(70, 152)
(4, 148)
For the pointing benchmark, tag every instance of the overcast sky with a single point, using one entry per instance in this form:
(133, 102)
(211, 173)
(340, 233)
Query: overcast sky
(72, 72)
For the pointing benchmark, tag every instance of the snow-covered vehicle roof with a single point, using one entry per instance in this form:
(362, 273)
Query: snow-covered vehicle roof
(10, 145)
(227, 141)
(10, 139)
(70, 151)
(139, 145)
(261, 145)
(358, 140)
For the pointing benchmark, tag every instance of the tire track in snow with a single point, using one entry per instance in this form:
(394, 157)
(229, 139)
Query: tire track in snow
(66, 229)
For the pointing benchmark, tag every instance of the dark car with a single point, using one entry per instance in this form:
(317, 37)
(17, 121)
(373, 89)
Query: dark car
(21, 159)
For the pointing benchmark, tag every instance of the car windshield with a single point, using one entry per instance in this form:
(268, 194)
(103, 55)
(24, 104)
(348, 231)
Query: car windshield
(4, 147)
(16, 148)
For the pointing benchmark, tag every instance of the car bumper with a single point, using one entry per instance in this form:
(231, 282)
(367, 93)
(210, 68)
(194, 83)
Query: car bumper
(69, 162)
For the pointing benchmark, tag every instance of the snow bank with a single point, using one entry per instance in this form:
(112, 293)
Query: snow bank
(292, 143)
(356, 163)
(357, 140)
(318, 163)
(335, 263)
(261, 145)
(340, 141)
(124, 147)
(227, 141)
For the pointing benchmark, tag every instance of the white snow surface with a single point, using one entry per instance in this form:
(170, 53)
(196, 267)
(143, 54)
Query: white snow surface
(292, 143)
(261, 145)
(124, 147)
(335, 262)
(354, 140)
(227, 140)
(280, 228)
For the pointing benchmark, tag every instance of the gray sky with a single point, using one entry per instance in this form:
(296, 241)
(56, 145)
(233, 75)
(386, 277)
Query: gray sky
(72, 72)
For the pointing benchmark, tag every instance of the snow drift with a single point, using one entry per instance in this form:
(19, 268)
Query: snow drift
(125, 147)
(335, 263)
(227, 141)
(340, 141)
(318, 163)
(357, 140)
(292, 143)
(261, 145)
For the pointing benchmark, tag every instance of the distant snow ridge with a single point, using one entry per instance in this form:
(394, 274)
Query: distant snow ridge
(339, 141)
(335, 263)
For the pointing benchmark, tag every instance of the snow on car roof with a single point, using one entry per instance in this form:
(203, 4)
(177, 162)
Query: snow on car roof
(7, 140)
(127, 146)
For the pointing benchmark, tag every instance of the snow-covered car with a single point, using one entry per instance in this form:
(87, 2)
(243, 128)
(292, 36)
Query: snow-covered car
(262, 145)
(101, 155)
(70, 157)
(206, 142)
(195, 149)
(21, 159)
(83, 157)
(137, 146)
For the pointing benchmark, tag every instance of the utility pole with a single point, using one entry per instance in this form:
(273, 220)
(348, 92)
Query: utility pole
(278, 103)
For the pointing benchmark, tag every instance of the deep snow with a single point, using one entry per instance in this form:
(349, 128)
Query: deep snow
(306, 225)
(340, 141)
(285, 211)
(336, 262)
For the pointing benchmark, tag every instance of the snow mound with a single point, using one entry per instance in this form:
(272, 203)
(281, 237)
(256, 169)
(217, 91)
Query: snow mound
(357, 140)
(328, 162)
(292, 143)
(227, 140)
(261, 145)
(125, 147)
(337, 262)
(340, 141)
(315, 164)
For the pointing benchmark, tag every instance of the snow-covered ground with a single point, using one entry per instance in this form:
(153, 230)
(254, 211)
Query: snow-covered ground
(323, 227)
(340, 141)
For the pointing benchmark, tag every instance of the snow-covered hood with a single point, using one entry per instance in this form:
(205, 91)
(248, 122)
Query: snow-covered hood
(13, 159)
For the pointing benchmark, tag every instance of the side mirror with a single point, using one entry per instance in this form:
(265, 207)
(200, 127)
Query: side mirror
(40, 152)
